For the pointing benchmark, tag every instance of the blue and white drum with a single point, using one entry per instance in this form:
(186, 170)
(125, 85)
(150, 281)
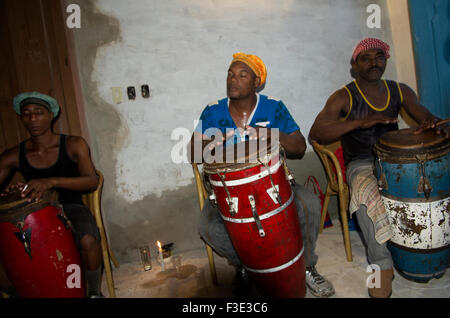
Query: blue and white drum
(413, 176)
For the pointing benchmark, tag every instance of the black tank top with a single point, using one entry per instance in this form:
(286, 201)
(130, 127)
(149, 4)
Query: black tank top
(358, 143)
(63, 167)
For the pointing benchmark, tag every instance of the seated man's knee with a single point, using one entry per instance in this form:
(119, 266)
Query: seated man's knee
(89, 243)
(308, 199)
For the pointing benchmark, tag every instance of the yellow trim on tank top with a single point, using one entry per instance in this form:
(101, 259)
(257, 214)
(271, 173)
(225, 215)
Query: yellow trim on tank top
(400, 91)
(368, 103)
(351, 103)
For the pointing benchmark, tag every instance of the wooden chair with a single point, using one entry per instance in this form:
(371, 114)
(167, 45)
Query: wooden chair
(202, 196)
(93, 201)
(335, 186)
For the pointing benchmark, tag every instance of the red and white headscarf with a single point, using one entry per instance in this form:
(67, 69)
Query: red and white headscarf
(368, 44)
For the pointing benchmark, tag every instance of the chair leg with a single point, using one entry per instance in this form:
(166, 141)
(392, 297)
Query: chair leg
(106, 252)
(325, 208)
(113, 258)
(106, 261)
(202, 195)
(212, 266)
(343, 211)
(108, 270)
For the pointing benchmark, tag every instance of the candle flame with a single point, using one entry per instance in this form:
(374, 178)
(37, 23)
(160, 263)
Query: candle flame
(159, 244)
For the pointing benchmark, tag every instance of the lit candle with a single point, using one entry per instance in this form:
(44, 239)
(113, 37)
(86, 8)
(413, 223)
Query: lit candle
(160, 255)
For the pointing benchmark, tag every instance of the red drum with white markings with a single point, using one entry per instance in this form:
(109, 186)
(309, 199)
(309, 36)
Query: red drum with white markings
(258, 208)
(38, 250)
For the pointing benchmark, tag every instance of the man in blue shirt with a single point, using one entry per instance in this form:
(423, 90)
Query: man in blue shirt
(266, 112)
(246, 115)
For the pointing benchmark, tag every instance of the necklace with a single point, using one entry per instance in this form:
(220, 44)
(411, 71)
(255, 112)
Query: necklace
(367, 101)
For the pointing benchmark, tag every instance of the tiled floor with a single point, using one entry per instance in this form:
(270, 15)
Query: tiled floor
(194, 281)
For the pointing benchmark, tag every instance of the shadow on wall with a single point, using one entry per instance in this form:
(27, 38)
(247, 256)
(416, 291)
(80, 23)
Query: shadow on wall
(106, 129)
(171, 217)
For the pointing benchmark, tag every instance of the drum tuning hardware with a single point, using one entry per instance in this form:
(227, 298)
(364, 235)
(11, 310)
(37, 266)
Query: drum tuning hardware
(62, 217)
(424, 183)
(212, 199)
(274, 192)
(232, 202)
(256, 216)
(65, 221)
(25, 238)
(289, 175)
(290, 178)
(382, 182)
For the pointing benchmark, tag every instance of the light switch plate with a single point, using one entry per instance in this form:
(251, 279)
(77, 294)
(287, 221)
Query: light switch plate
(117, 95)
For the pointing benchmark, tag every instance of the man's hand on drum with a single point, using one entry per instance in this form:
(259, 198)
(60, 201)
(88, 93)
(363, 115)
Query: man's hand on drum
(254, 133)
(433, 123)
(12, 187)
(34, 189)
(217, 140)
(371, 121)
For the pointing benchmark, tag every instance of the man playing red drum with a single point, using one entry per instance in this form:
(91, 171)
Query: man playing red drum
(242, 116)
(359, 114)
(51, 161)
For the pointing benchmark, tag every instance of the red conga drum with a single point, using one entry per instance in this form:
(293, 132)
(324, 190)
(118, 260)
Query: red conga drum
(258, 208)
(38, 250)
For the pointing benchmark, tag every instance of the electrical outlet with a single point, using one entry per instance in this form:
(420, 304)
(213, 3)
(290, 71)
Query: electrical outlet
(145, 90)
(131, 92)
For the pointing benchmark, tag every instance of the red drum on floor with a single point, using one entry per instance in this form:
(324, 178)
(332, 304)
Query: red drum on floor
(257, 204)
(38, 250)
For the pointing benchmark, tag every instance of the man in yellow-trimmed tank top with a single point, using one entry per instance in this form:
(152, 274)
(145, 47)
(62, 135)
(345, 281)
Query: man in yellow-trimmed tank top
(358, 114)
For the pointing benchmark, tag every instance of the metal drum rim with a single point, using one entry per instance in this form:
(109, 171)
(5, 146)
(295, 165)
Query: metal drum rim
(431, 199)
(408, 153)
(277, 268)
(17, 211)
(13, 205)
(224, 167)
(263, 216)
(390, 155)
(420, 250)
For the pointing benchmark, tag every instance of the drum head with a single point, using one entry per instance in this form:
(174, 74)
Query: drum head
(13, 206)
(405, 146)
(11, 200)
(240, 156)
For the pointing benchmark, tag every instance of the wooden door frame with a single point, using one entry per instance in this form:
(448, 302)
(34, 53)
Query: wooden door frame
(59, 55)
(428, 54)
(73, 67)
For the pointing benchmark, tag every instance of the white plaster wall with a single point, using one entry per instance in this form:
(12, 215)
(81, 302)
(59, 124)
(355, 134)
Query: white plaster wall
(182, 49)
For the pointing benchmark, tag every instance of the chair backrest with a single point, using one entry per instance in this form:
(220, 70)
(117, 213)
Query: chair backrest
(92, 199)
(331, 165)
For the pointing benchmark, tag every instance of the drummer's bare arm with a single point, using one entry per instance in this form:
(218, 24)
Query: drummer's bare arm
(329, 125)
(294, 144)
(8, 162)
(78, 151)
(420, 113)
